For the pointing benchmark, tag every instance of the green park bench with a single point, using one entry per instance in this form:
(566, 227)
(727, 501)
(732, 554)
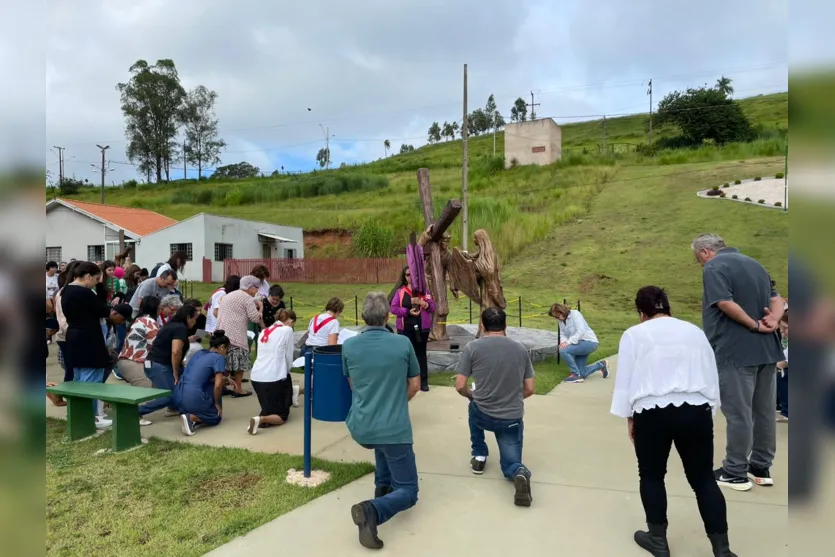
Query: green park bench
(124, 401)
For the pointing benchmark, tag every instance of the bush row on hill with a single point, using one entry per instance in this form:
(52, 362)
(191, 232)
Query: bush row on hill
(250, 193)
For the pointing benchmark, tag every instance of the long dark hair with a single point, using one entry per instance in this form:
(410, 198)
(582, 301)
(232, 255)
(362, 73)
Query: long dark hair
(149, 306)
(401, 282)
(185, 313)
(177, 261)
(232, 283)
(130, 276)
(85, 268)
(65, 277)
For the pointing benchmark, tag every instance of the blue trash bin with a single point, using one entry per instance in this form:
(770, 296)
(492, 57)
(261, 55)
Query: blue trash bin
(330, 390)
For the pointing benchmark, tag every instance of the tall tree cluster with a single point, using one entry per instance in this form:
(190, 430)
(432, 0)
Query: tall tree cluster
(479, 121)
(157, 109)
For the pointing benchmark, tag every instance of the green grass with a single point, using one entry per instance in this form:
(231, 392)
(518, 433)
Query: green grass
(172, 499)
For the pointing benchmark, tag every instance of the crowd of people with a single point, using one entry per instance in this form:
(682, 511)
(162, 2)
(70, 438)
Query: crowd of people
(672, 375)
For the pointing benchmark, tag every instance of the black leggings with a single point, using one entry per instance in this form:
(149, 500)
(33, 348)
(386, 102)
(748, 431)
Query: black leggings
(691, 429)
(419, 340)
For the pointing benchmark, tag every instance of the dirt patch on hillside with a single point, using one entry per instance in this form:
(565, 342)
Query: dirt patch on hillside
(591, 282)
(327, 243)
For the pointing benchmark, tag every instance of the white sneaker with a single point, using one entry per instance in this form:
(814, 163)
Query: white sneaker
(102, 423)
(186, 425)
(253, 425)
(295, 396)
(143, 422)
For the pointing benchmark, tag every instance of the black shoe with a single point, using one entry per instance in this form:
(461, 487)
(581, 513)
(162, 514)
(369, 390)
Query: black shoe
(424, 384)
(732, 482)
(721, 546)
(382, 491)
(760, 476)
(477, 466)
(654, 541)
(365, 517)
(522, 483)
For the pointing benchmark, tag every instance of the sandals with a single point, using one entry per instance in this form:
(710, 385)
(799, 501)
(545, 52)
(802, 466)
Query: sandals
(241, 394)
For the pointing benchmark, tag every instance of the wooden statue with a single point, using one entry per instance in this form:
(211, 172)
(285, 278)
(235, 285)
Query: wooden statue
(478, 275)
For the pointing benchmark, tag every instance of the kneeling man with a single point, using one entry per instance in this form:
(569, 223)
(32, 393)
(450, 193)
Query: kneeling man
(503, 377)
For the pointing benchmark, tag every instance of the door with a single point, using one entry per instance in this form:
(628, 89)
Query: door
(266, 251)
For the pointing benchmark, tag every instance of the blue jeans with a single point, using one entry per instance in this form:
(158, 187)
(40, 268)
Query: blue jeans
(396, 468)
(162, 377)
(509, 436)
(576, 356)
(783, 392)
(89, 375)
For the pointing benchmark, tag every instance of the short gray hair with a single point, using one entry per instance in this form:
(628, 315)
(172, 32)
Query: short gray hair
(171, 301)
(712, 242)
(250, 281)
(375, 309)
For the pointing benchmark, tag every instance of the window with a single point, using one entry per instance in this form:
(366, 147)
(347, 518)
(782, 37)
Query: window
(53, 254)
(186, 248)
(290, 253)
(223, 252)
(95, 253)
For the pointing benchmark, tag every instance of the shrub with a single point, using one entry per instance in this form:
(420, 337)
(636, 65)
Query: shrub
(715, 188)
(747, 199)
(778, 204)
(779, 175)
(737, 181)
(714, 193)
(734, 196)
(129, 184)
(722, 194)
(758, 178)
(514, 162)
(488, 165)
(761, 201)
(727, 185)
(373, 240)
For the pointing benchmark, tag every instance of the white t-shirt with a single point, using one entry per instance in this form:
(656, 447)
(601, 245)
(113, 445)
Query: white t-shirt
(51, 285)
(264, 289)
(661, 362)
(275, 354)
(320, 337)
(211, 320)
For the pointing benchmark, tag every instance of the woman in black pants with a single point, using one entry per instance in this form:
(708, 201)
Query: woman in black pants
(414, 319)
(667, 387)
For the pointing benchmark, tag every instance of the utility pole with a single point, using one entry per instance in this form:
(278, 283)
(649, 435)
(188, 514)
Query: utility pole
(533, 106)
(465, 219)
(604, 134)
(60, 166)
(185, 162)
(103, 169)
(649, 92)
(495, 121)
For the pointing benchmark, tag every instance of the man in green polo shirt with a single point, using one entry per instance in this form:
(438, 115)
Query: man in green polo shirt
(384, 375)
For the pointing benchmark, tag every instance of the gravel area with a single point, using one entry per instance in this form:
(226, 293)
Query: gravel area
(770, 189)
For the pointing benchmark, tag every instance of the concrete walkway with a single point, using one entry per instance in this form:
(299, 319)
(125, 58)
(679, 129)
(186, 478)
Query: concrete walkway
(585, 486)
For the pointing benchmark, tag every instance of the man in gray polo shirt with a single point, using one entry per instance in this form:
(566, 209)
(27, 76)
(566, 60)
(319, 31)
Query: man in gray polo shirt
(159, 286)
(503, 375)
(741, 312)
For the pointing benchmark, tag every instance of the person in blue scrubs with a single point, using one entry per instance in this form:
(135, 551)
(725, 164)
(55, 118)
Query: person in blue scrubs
(200, 390)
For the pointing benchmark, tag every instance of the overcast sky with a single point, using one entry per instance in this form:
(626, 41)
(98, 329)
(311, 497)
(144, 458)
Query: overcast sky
(371, 70)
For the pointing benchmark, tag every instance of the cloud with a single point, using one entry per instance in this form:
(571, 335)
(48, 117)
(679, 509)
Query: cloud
(371, 70)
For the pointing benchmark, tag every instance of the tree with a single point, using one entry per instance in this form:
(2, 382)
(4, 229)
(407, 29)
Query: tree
(434, 132)
(237, 170)
(323, 157)
(706, 113)
(152, 101)
(499, 122)
(723, 84)
(386, 146)
(202, 146)
(491, 111)
(454, 129)
(519, 112)
(406, 148)
(448, 131)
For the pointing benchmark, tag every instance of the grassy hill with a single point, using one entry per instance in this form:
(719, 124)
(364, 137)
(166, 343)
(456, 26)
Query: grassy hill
(590, 227)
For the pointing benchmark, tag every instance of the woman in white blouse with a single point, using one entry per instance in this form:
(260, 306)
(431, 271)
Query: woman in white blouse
(667, 388)
(323, 329)
(578, 341)
(270, 374)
